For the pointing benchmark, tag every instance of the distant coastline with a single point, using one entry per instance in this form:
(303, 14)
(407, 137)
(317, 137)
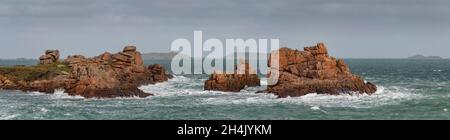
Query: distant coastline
(424, 57)
(159, 56)
(170, 55)
(18, 62)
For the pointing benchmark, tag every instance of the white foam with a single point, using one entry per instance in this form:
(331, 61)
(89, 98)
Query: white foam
(177, 86)
(179, 79)
(9, 117)
(184, 86)
(263, 82)
(381, 97)
(35, 93)
(44, 110)
(61, 94)
(57, 94)
(315, 108)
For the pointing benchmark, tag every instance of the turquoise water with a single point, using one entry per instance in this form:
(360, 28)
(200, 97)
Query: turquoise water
(408, 89)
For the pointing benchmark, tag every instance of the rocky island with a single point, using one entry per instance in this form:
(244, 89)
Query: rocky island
(104, 76)
(314, 71)
(243, 76)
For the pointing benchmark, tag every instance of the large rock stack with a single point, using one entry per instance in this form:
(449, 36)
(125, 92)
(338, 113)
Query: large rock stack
(243, 76)
(313, 71)
(111, 75)
(128, 57)
(50, 57)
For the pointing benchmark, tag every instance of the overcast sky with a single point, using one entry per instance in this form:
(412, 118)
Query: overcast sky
(350, 28)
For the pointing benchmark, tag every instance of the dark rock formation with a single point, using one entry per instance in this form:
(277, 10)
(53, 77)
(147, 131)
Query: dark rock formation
(313, 71)
(105, 76)
(50, 57)
(233, 82)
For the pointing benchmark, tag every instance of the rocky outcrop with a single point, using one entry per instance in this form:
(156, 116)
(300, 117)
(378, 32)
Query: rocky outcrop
(50, 57)
(243, 76)
(158, 73)
(313, 71)
(128, 57)
(104, 76)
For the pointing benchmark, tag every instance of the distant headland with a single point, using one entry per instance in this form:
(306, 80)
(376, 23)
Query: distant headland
(419, 56)
(159, 56)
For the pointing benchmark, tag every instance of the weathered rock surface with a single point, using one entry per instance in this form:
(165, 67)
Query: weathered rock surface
(313, 71)
(50, 57)
(105, 76)
(243, 76)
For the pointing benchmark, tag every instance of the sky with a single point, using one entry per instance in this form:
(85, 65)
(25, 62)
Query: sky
(350, 28)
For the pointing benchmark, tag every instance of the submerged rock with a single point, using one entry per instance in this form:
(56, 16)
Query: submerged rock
(105, 76)
(243, 76)
(313, 71)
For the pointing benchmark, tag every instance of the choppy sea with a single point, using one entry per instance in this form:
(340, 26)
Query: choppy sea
(407, 89)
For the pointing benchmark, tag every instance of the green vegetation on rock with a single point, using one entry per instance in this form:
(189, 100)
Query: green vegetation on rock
(32, 73)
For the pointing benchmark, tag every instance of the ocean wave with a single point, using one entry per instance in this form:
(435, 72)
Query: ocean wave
(9, 117)
(57, 94)
(183, 86)
(380, 98)
(393, 95)
(177, 86)
(61, 94)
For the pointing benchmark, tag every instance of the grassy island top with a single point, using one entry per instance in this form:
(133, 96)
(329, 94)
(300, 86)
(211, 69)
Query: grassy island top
(32, 73)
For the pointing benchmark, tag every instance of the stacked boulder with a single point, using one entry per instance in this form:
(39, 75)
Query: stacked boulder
(111, 75)
(313, 71)
(243, 76)
(50, 57)
(128, 57)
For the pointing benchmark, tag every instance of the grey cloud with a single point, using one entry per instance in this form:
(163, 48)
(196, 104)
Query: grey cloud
(265, 10)
(379, 24)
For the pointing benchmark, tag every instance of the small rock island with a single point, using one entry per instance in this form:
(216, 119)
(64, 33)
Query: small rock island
(314, 71)
(104, 76)
(243, 76)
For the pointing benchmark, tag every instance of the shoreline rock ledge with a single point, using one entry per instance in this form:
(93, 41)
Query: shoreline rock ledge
(314, 71)
(104, 76)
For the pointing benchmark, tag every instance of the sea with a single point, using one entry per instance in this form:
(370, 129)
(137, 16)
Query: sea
(407, 89)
